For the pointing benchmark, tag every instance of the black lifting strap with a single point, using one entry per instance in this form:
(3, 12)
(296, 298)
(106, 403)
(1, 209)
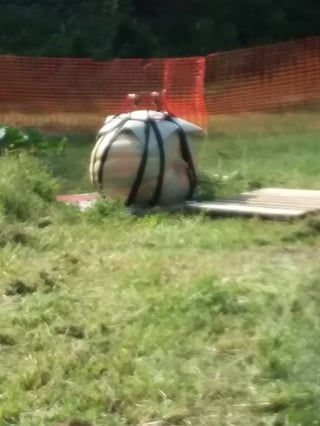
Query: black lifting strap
(142, 166)
(107, 150)
(186, 155)
(136, 185)
(157, 192)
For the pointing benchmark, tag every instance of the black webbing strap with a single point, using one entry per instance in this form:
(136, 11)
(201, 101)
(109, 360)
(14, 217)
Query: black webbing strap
(105, 153)
(186, 155)
(157, 192)
(137, 182)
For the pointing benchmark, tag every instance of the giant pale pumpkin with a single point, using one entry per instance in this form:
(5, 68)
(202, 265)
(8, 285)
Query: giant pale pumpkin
(146, 158)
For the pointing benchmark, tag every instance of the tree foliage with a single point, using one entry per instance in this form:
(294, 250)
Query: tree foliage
(105, 29)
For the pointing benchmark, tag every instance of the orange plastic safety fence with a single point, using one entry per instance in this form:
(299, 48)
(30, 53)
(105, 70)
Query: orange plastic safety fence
(69, 93)
(79, 93)
(266, 78)
(185, 90)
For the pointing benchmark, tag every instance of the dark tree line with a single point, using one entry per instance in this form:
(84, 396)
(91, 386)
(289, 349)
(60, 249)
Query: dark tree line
(105, 29)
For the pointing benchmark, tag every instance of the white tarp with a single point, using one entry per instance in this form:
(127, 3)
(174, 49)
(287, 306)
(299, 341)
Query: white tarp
(121, 146)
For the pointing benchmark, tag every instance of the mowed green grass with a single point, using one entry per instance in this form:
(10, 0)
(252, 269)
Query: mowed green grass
(160, 320)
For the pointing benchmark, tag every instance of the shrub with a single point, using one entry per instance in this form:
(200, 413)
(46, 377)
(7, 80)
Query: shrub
(26, 187)
(32, 141)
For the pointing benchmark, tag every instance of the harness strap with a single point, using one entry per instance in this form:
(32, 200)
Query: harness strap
(186, 155)
(106, 152)
(158, 189)
(137, 182)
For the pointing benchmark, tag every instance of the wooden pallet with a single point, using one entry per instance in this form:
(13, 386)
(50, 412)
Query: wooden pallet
(274, 203)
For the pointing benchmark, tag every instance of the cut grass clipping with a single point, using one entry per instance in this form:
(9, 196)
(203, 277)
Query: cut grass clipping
(109, 319)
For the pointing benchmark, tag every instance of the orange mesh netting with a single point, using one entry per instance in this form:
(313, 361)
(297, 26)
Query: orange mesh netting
(66, 93)
(266, 78)
(69, 93)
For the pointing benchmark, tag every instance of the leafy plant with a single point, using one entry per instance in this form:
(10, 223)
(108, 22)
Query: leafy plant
(32, 141)
(212, 184)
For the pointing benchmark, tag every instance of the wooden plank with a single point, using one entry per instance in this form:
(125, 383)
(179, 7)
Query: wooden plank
(275, 198)
(273, 202)
(286, 191)
(266, 202)
(279, 197)
(277, 203)
(216, 209)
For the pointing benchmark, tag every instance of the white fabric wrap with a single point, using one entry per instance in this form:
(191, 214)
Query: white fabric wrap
(119, 168)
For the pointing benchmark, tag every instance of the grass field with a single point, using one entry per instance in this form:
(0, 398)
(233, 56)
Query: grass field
(162, 320)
